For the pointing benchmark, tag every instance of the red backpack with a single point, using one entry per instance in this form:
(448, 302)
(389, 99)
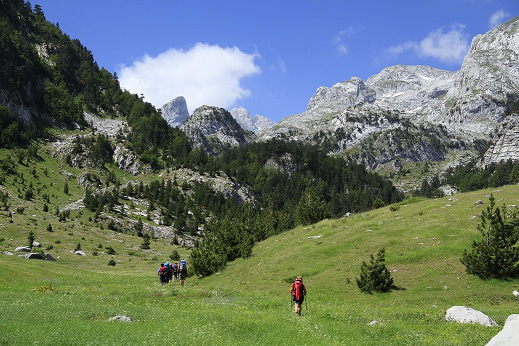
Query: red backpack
(162, 271)
(298, 289)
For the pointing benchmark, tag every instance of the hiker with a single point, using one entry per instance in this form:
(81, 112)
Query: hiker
(183, 272)
(162, 272)
(169, 272)
(175, 271)
(298, 292)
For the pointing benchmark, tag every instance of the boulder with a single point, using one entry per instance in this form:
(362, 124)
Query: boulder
(79, 253)
(36, 244)
(509, 335)
(34, 255)
(48, 257)
(463, 314)
(9, 253)
(515, 293)
(121, 318)
(372, 323)
(478, 202)
(23, 249)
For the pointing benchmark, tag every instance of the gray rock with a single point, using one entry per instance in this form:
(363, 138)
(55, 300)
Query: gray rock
(8, 253)
(175, 112)
(254, 124)
(463, 314)
(121, 318)
(214, 129)
(478, 202)
(509, 335)
(79, 253)
(49, 257)
(36, 244)
(373, 323)
(34, 255)
(515, 293)
(23, 249)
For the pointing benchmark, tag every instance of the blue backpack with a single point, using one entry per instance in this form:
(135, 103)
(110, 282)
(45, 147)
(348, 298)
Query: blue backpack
(183, 266)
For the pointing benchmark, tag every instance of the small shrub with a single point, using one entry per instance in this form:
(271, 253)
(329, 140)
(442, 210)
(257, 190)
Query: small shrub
(30, 239)
(497, 254)
(111, 262)
(394, 207)
(175, 256)
(57, 242)
(78, 247)
(45, 207)
(44, 289)
(2, 239)
(110, 250)
(50, 247)
(20, 210)
(95, 253)
(377, 203)
(375, 276)
(49, 228)
(100, 246)
(145, 242)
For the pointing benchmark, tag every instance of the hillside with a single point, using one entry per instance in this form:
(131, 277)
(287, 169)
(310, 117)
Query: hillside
(248, 303)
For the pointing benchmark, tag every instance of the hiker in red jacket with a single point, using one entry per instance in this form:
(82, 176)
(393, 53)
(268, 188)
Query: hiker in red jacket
(298, 292)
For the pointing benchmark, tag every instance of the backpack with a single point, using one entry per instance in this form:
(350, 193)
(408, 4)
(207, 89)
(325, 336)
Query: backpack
(162, 271)
(298, 289)
(183, 266)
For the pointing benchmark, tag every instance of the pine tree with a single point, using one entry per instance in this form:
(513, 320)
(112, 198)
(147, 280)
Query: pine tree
(30, 238)
(375, 276)
(65, 188)
(145, 242)
(311, 208)
(496, 255)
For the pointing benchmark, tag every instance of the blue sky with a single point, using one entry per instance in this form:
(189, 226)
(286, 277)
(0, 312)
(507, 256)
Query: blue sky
(268, 56)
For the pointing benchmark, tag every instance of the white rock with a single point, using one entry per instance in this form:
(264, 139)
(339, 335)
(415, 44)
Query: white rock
(463, 314)
(23, 249)
(121, 318)
(372, 323)
(175, 112)
(8, 253)
(79, 253)
(36, 244)
(315, 236)
(478, 202)
(515, 293)
(509, 335)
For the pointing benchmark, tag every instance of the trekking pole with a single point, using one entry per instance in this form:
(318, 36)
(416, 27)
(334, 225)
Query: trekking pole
(306, 304)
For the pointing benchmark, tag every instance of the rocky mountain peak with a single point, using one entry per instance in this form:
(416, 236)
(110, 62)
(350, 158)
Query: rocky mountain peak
(214, 128)
(175, 112)
(247, 122)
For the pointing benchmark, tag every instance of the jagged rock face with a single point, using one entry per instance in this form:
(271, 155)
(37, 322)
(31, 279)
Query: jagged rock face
(175, 112)
(453, 108)
(214, 129)
(128, 161)
(254, 124)
(506, 141)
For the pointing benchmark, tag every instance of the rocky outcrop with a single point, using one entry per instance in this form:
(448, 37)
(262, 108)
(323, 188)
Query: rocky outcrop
(505, 142)
(254, 124)
(128, 161)
(214, 129)
(509, 335)
(463, 314)
(175, 112)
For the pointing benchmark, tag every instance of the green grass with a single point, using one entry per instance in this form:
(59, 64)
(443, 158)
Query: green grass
(70, 301)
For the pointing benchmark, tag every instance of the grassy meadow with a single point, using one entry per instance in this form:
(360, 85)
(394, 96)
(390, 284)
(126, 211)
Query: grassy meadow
(69, 301)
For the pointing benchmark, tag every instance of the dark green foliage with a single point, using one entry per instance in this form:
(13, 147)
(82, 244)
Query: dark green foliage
(145, 245)
(110, 250)
(65, 188)
(430, 188)
(45, 207)
(497, 254)
(377, 203)
(374, 277)
(394, 207)
(30, 239)
(112, 262)
(78, 247)
(49, 228)
(310, 209)
(175, 256)
(470, 177)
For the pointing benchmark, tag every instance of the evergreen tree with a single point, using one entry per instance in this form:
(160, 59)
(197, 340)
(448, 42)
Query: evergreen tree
(30, 239)
(311, 208)
(497, 254)
(65, 188)
(145, 242)
(78, 247)
(375, 276)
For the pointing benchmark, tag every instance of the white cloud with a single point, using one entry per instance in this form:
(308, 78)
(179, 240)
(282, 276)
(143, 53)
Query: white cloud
(450, 47)
(204, 74)
(338, 40)
(497, 18)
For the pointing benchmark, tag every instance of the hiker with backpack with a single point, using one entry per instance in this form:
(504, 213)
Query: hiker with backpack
(183, 272)
(298, 292)
(169, 272)
(162, 272)
(175, 271)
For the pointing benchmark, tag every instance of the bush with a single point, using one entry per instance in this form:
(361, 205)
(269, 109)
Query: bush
(30, 239)
(49, 228)
(110, 250)
(497, 254)
(375, 276)
(111, 262)
(394, 207)
(175, 256)
(95, 253)
(146, 242)
(377, 203)
(78, 247)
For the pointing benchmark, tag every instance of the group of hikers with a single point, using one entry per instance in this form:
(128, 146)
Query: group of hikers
(169, 272)
(178, 271)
